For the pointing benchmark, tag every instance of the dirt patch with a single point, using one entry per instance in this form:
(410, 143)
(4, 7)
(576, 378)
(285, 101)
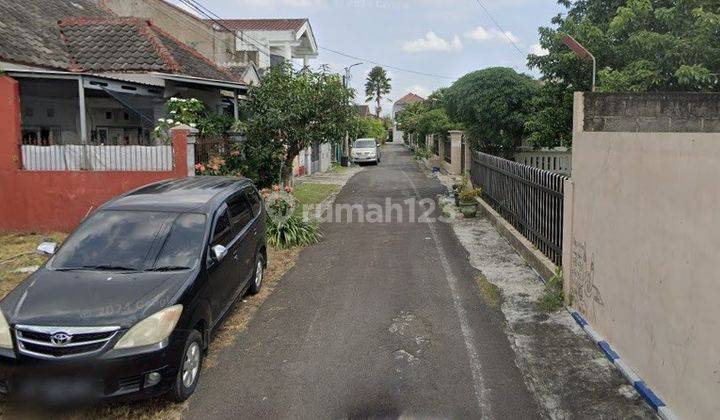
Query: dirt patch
(17, 251)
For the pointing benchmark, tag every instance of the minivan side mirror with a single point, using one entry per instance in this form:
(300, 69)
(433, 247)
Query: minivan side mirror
(219, 252)
(47, 248)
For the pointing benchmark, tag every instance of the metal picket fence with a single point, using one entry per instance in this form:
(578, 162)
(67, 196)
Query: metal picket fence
(530, 199)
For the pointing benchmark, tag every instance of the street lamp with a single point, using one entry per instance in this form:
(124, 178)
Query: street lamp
(345, 159)
(347, 77)
(581, 52)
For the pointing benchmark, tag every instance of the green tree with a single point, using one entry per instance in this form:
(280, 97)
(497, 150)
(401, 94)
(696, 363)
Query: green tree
(377, 86)
(640, 45)
(493, 104)
(288, 112)
(369, 127)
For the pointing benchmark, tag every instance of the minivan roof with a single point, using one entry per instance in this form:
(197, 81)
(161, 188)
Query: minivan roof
(199, 194)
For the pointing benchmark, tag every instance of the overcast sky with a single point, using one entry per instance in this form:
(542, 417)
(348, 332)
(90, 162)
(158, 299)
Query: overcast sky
(443, 37)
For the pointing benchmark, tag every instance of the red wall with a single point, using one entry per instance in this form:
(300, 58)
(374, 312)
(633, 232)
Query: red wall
(42, 201)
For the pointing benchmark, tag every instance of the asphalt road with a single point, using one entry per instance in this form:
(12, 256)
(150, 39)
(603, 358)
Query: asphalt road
(380, 320)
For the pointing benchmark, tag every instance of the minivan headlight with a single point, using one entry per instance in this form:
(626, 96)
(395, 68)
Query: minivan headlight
(5, 336)
(151, 330)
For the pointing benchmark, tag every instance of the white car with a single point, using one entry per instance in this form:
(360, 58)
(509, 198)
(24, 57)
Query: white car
(366, 151)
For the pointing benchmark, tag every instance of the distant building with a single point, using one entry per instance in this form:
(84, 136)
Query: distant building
(363, 110)
(229, 43)
(268, 41)
(398, 106)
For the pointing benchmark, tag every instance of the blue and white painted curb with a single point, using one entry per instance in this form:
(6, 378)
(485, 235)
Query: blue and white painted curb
(645, 392)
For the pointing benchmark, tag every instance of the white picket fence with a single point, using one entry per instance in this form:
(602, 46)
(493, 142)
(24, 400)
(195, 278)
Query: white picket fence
(79, 157)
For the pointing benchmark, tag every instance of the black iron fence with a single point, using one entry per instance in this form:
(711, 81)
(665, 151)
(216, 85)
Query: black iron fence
(207, 147)
(530, 199)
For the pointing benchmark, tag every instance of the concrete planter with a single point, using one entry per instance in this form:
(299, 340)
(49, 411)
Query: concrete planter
(468, 209)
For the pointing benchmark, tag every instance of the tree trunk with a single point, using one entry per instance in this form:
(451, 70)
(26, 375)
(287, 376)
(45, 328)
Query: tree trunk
(287, 174)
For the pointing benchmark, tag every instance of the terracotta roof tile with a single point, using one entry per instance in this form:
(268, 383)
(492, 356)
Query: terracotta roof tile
(261, 24)
(79, 36)
(409, 99)
(29, 33)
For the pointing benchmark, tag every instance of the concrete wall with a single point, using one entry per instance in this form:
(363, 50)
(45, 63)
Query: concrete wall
(218, 46)
(643, 238)
(59, 200)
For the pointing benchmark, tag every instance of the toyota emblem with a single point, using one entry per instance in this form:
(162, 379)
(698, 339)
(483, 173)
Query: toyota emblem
(60, 338)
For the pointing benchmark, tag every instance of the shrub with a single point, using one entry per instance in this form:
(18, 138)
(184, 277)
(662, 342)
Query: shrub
(292, 232)
(422, 153)
(468, 195)
(553, 298)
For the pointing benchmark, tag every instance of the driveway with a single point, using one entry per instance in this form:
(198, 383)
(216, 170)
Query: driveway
(379, 320)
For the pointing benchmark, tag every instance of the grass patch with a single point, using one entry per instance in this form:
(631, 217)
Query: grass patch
(553, 298)
(309, 193)
(336, 168)
(490, 293)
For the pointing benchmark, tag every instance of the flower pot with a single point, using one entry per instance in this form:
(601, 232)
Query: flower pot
(468, 210)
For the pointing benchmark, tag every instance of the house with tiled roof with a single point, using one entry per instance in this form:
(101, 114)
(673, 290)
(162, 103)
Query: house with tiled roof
(86, 75)
(228, 42)
(269, 41)
(398, 106)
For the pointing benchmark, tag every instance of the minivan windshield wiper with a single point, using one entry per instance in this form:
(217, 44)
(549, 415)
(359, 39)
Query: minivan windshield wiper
(98, 267)
(169, 268)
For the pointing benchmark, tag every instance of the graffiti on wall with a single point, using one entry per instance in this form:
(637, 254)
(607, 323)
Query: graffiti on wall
(583, 292)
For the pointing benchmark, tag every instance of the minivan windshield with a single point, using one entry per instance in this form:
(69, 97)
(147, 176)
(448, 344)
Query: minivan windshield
(365, 144)
(133, 240)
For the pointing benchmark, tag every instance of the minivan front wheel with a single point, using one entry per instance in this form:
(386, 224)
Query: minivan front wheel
(258, 275)
(189, 369)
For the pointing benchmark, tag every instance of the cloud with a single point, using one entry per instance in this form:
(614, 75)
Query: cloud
(538, 50)
(432, 42)
(481, 34)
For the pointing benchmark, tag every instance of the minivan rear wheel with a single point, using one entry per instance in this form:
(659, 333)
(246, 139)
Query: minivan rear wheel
(259, 275)
(189, 368)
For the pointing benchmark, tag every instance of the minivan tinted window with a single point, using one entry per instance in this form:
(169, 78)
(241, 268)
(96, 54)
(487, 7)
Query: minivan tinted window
(133, 240)
(254, 200)
(240, 212)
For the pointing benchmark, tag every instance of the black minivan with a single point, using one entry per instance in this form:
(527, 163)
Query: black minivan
(126, 307)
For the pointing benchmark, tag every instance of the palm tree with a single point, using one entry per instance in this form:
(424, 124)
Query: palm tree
(377, 86)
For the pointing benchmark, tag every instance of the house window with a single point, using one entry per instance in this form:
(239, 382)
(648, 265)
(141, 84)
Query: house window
(50, 112)
(108, 115)
(126, 116)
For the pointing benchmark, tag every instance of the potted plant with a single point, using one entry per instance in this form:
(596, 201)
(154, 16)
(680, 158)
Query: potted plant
(459, 187)
(468, 205)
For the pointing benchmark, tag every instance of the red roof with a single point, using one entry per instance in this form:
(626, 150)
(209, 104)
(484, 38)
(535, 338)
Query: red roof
(261, 24)
(409, 99)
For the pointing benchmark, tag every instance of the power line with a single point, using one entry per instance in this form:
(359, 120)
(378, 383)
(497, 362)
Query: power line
(505, 34)
(209, 14)
(196, 5)
(388, 66)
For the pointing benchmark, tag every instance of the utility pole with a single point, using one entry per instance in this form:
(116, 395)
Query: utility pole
(346, 143)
